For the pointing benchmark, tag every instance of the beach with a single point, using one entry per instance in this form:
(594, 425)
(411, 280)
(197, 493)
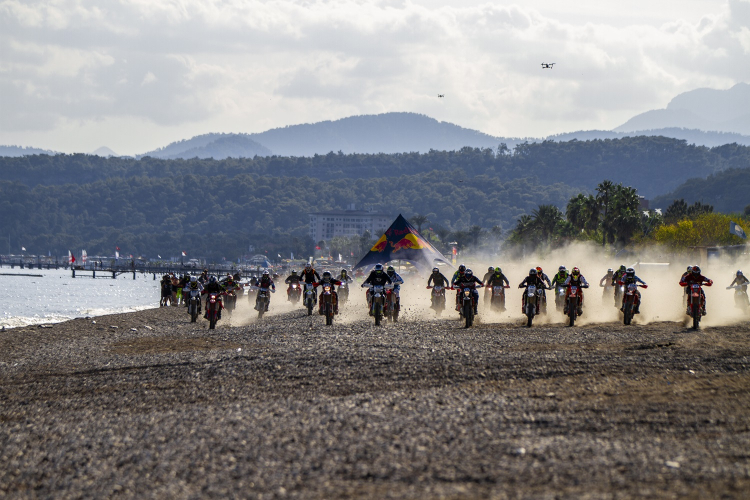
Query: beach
(146, 405)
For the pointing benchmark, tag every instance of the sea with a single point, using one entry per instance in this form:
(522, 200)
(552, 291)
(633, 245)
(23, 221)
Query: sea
(52, 296)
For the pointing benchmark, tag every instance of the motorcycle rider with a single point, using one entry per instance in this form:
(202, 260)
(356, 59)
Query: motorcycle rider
(166, 291)
(490, 272)
(437, 278)
(575, 279)
(532, 279)
(684, 275)
(459, 272)
(203, 278)
(695, 277)
(606, 281)
(327, 279)
(195, 285)
(397, 282)
(376, 278)
(618, 274)
(344, 277)
(309, 276)
(468, 279)
(742, 281)
(292, 279)
(213, 286)
(265, 281)
(628, 279)
(497, 278)
(559, 278)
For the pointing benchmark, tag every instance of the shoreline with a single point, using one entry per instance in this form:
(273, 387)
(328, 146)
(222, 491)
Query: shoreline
(144, 404)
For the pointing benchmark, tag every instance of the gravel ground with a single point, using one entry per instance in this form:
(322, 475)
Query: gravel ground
(147, 405)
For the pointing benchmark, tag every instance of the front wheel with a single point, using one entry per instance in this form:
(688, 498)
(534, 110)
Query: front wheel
(194, 315)
(212, 322)
(378, 313)
(572, 312)
(529, 315)
(468, 311)
(696, 316)
(627, 313)
(309, 308)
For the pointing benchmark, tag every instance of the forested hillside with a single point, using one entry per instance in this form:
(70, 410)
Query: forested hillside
(727, 191)
(653, 165)
(217, 208)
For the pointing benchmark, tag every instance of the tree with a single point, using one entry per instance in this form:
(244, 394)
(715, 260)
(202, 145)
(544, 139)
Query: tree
(698, 208)
(676, 211)
(605, 190)
(747, 210)
(418, 220)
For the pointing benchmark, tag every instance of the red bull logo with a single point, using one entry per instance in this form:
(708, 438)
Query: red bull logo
(409, 242)
(381, 244)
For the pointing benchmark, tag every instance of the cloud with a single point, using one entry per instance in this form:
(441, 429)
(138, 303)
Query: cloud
(278, 62)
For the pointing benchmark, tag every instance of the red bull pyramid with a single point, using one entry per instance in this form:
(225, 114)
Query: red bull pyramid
(402, 242)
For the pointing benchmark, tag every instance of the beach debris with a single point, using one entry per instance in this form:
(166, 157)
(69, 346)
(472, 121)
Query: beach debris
(45, 326)
(93, 322)
(134, 329)
(672, 465)
(239, 349)
(147, 327)
(113, 326)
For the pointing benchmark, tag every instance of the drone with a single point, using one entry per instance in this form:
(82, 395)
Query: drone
(547, 65)
(441, 95)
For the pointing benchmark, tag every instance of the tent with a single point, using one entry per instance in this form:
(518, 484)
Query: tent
(402, 242)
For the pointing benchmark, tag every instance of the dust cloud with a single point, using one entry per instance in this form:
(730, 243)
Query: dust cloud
(663, 300)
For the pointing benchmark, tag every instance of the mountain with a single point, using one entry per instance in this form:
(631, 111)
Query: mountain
(703, 109)
(105, 152)
(15, 151)
(384, 133)
(217, 146)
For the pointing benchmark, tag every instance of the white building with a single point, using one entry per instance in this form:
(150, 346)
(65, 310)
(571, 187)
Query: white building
(327, 225)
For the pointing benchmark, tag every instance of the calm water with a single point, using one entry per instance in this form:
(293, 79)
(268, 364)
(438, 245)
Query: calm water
(56, 296)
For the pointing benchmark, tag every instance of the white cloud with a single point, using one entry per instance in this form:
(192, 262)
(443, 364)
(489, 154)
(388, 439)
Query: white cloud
(252, 64)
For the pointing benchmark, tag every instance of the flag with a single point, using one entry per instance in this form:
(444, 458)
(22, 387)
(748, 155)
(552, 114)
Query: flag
(117, 248)
(735, 228)
(158, 256)
(23, 249)
(279, 255)
(340, 259)
(84, 256)
(317, 248)
(184, 254)
(292, 255)
(117, 254)
(71, 257)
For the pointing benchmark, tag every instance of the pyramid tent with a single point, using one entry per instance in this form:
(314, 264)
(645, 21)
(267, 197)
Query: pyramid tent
(401, 241)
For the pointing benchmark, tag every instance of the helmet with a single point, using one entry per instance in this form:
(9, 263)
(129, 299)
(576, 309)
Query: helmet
(575, 272)
(469, 272)
(193, 279)
(696, 270)
(622, 268)
(561, 268)
(539, 270)
(205, 270)
(378, 268)
(689, 268)
(343, 272)
(630, 271)
(739, 273)
(294, 271)
(490, 269)
(212, 279)
(461, 269)
(266, 273)
(609, 271)
(327, 275)
(532, 272)
(498, 270)
(390, 270)
(435, 270)
(308, 266)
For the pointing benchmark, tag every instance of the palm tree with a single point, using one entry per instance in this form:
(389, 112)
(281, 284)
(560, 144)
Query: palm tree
(418, 220)
(546, 218)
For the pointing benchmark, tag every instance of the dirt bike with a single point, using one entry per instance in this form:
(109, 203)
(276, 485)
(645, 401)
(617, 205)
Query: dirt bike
(343, 292)
(467, 304)
(327, 297)
(533, 302)
(740, 297)
(213, 309)
(194, 304)
(294, 292)
(438, 299)
(377, 305)
(630, 301)
(559, 297)
(230, 302)
(574, 303)
(497, 299)
(261, 303)
(695, 303)
(619, 291)
(391, 304)
(309, 298)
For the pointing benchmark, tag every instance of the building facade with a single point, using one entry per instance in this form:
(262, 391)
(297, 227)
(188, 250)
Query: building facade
(333, 223)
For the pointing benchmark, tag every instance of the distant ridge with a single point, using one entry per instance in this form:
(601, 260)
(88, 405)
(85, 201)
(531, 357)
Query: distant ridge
(692, 136)
(23, 151)
(216, 146)
(702, 109)
(104, 152)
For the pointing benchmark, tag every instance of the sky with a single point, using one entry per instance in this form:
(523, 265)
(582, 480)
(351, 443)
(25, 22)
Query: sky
(134, 75)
